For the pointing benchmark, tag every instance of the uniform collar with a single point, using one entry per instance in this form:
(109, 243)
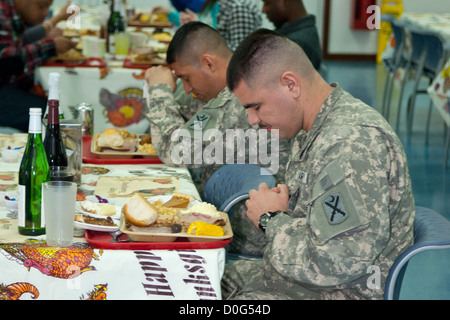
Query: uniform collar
(222, 98)
(303, 139)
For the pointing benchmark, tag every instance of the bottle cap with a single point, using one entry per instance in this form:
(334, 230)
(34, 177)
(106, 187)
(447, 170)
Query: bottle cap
(37, 111)
(53, 85)
(54, 78)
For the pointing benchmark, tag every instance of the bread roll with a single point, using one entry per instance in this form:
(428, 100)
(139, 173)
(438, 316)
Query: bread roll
(139, 211)
(110, 138)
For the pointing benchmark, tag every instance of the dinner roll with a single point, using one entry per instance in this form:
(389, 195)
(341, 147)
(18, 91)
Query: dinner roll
(139, 211)
(110, 137)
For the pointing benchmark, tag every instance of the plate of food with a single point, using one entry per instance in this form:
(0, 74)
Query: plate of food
(115, 143)
(143, 19)
(88, 222)
(99, 210)
(168, 219)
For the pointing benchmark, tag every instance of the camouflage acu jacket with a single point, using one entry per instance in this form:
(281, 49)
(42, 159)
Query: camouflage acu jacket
(351, 208)
(173, 121)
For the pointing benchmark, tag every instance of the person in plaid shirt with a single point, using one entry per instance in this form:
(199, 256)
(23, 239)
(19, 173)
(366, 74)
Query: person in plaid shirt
(26, 41)
(237, 19)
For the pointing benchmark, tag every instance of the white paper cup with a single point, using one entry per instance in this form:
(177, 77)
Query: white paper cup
(138, 39)
(59, 199)
(98, 47)
(86, 42)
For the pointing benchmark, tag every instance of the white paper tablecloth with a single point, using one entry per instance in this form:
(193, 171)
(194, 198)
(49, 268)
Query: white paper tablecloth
(30, 269)
(114, 92)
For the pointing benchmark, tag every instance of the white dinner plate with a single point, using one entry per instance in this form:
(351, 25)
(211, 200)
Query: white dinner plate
(114, 216)
(95, 227)
(164, 199)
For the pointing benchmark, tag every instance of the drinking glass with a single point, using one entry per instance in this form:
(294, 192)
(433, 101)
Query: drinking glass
(122, 43)
(59, 199)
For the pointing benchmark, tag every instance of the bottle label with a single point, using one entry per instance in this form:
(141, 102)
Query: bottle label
(21, 199)
(112, 47)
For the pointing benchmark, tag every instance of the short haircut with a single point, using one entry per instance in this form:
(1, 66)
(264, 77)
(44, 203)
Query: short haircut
(263, 56)
(192, 40)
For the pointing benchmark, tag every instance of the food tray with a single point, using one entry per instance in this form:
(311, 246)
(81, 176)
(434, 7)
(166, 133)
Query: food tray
(111, 154)
(104, 240)
(76, 62)
(89, 157)
(131, 64)
(139, 24)
(170, 237)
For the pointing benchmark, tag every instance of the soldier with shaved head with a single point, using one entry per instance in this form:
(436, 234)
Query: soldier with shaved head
(346, 210)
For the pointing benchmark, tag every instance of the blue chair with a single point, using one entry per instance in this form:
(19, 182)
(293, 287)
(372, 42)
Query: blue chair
(394, 62)
(430, 62)
(231, 183)
(431, 233)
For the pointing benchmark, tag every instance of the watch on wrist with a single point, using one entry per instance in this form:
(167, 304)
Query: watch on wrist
(265, 218)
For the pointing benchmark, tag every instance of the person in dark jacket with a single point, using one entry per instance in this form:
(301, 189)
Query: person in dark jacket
(291, 20)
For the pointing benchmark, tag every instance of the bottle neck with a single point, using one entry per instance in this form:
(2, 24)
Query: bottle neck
(35, 124)
(53, 112)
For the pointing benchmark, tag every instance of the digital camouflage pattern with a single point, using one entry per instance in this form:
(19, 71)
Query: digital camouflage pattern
(169, 112)
(351, 212)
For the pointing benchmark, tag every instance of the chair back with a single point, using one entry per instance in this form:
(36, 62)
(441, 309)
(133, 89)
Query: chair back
(231, 183)
(398, 28)
(418, 44)
(431, 232)
(434, 44)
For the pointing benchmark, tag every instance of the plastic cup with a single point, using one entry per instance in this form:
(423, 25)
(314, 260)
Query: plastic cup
(87, 44)
(122, 44)
(59, 199)
(97, 48)
(60, 173)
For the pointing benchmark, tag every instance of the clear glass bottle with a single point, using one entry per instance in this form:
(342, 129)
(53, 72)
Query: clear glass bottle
(34, 170)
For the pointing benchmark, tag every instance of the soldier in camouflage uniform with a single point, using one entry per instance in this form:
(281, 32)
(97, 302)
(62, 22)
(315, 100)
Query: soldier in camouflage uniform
(202, 71)
(346, 211)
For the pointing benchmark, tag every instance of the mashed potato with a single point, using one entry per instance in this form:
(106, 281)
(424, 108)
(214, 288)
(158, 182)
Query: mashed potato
(203, 207)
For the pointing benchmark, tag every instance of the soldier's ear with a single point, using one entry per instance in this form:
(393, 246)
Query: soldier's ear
(208, 62)
(292, 82)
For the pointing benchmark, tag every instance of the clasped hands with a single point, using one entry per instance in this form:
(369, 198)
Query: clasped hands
(265, 199)
(160, 74)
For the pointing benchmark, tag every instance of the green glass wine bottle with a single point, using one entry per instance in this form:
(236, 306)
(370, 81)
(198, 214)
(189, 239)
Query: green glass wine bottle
(116, 24)
(34, 170)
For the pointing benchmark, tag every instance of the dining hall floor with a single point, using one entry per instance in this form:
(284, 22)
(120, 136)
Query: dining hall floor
(430, 180)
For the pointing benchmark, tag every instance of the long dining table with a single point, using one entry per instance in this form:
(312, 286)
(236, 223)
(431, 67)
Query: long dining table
(97, 265)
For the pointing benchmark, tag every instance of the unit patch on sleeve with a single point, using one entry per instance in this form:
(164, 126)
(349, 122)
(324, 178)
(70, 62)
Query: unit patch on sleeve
(199, 121)
(334, 208)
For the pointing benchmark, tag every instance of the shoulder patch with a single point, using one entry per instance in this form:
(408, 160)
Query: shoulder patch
(199, 121)
(334, 208)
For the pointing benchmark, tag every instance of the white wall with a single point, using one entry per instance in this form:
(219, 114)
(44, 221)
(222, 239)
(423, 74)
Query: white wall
(344, 40)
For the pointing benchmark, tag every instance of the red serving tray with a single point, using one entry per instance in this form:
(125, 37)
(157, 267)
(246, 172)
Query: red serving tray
(89, 157)
(88, 63)
(101, 240)
(127, 63)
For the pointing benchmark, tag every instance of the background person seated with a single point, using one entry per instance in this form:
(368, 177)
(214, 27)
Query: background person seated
(291, 20)
(26, 42)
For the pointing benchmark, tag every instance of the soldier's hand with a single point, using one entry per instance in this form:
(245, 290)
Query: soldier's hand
(160, 74)
(63, 44)
(265, 199)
